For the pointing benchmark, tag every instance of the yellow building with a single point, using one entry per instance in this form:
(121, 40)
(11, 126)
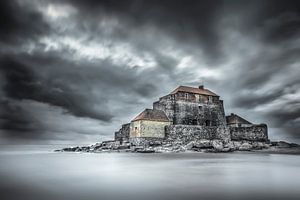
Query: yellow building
(149, 123)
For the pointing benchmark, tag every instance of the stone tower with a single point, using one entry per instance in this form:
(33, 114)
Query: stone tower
(192, 106)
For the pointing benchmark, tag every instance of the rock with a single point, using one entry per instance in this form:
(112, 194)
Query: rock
(155, 143)
(71, 149)
(136, 148)
(145, 151)
(218, 145)
(203, 144)
(230, 145)
(144, 145)
(189, 146)
(123, 147)
(227, 149)
(245, 147)
(282, 144)
(259, 145)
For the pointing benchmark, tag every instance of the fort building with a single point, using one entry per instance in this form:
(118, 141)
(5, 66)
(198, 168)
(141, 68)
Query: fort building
(188, 114)
(233, 120)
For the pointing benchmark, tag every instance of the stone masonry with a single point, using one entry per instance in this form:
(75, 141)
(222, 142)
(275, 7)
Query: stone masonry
(195, 114)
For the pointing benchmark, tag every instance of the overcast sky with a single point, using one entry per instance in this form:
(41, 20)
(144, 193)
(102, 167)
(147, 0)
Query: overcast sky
(74, 71)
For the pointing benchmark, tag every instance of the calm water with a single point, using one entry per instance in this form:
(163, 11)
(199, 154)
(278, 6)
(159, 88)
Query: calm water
(35, 172)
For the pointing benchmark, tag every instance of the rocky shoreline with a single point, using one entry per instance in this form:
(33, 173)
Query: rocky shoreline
(162, 146)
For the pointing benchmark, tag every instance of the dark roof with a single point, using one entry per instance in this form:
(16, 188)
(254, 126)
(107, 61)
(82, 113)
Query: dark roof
(153, 115)
(235, 119)
(194, 90)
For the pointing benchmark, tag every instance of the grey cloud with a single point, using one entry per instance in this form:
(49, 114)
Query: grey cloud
(19, 24)
(14, 118)
(31, 121)
(190, 22)
(22, 83)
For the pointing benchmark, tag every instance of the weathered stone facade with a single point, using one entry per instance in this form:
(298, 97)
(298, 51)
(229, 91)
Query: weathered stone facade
(188, 133)
(256, 132)
(192, 109)
(123, 133)
(148, 128)
(190, 114)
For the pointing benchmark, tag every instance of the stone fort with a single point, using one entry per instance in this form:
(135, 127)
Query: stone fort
(190, 114)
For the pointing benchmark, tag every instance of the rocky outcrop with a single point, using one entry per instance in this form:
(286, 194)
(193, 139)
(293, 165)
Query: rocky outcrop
(154, 145)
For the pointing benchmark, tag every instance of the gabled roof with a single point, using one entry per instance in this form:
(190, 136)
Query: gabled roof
(153, 115)
(235, 119)
(194, 90)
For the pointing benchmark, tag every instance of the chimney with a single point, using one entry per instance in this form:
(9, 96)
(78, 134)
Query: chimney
(201, 87)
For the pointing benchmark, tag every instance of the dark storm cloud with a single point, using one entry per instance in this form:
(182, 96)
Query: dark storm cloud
(287, 119)
(13, 117)
(280, 21)
(19, 24)
(22, 83)
(83, 89)
(190, 22)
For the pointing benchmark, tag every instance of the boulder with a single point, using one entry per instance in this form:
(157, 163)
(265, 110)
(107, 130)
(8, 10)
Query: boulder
(245, 147)
(189, 146)
(145, 151)
(226, 149)
(218, 145)
(230, 145)
(282, 144)
(203, 144)
(259, 145)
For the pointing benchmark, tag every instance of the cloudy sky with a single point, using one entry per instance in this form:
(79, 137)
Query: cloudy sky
(73, 71)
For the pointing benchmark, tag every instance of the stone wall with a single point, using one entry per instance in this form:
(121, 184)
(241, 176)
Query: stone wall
(148, 128)
(166, 104)
(203, 114)
(188, 133)
(123, 133)
(135, 129)
(146, 141)
(192, 109)
(252, 133)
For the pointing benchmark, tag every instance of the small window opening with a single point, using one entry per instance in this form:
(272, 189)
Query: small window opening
(195, 122)
(207, 123)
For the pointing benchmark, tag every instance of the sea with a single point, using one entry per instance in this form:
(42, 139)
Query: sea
(36, 172)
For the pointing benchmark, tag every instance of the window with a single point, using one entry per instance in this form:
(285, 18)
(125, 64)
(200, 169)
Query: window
(215, 99)
(209, 98)
(200, 108)
(186, 95)
(207, 123)
(195, 122)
